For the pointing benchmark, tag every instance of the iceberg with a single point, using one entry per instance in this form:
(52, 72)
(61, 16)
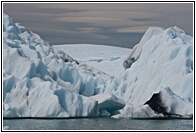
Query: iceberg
(37, 82)
(164, 61)
(42, 81)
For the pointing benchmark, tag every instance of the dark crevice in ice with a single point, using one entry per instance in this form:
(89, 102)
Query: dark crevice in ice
(156, 104)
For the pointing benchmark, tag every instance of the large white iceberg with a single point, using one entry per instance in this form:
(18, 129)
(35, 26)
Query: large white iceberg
(165, 60)
(39, 81)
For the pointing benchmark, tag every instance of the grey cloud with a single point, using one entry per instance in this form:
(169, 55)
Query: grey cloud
(99, 23)
(141, 19)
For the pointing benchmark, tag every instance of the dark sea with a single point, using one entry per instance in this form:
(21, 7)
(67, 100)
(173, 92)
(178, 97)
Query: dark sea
(105, 123)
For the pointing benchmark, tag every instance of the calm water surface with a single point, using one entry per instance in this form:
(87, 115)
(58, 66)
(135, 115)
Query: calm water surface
(98, 124)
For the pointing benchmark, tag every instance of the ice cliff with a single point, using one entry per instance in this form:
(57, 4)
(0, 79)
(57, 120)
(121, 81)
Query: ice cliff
(41, 82)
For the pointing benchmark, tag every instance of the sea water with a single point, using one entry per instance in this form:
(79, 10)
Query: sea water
(98, 124)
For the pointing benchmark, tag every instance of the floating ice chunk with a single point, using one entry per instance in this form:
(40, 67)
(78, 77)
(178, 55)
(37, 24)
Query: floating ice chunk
(117, 116)
(5, 127)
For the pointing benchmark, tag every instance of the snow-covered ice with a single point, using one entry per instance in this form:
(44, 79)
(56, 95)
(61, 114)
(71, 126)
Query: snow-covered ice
(101, 57)
(42, 81)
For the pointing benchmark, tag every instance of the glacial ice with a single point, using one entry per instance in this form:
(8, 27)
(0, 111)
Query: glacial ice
(135, 53)
(165, 61)
(37, 82)
(165, 104)
(101, 57)
(40, 81)
(108, 102)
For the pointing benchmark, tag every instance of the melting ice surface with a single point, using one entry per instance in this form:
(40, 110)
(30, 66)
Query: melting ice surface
(40, 81)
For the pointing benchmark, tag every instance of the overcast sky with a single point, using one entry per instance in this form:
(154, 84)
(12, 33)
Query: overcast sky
(118, 24)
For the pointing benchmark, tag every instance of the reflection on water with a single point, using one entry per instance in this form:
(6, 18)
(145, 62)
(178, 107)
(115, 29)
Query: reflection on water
(98, 124)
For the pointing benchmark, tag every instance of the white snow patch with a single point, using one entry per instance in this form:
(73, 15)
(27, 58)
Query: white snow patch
(108, 59)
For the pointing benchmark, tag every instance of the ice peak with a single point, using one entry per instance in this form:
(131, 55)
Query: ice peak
(149, 33)
(175, 32)
(7, 20)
